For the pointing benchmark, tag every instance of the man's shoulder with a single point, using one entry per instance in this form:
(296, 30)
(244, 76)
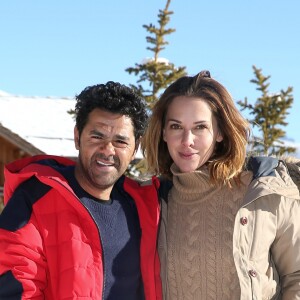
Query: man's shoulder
(141, 181)
(18, 210)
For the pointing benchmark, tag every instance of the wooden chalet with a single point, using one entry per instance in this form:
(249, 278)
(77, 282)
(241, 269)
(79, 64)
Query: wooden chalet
(12, 147)
(34, 125)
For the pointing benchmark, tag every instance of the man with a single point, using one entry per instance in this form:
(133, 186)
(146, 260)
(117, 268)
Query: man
(83, 230)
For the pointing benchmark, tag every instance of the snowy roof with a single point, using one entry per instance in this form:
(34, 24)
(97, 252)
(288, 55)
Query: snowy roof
(44, 122)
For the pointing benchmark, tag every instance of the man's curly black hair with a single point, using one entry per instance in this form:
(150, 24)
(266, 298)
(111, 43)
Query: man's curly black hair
(112, 97)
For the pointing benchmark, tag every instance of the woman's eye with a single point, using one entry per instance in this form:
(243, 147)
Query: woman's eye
(202, 126)
(175, 126)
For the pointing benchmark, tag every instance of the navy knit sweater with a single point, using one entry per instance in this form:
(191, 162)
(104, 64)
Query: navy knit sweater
(119, 228)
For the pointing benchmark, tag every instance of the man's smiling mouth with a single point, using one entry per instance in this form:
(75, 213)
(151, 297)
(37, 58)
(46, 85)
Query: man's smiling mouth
(106, 164)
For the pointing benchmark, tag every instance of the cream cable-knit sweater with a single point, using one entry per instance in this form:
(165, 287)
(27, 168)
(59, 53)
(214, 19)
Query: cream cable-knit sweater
(199, 237)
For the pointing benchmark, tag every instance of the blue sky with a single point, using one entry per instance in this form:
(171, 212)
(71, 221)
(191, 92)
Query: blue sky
(56, 48)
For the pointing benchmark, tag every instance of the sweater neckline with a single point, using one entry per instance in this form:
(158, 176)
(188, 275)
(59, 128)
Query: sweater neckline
(191, 187)
(195, 187)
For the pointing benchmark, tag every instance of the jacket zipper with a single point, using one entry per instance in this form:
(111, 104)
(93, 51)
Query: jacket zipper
(101, 241)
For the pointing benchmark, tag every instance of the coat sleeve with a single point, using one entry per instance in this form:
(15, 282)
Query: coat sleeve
(22, 261)
(286, 248)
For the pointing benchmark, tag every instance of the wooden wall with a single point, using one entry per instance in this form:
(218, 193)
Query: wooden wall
(8, 153)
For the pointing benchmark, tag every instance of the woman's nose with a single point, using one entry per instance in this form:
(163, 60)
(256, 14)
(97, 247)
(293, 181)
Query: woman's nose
(187, 138)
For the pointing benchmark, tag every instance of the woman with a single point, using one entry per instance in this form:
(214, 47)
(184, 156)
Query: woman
(228, 231)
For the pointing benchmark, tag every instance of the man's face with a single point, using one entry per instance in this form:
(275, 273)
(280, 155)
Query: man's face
(106, 147)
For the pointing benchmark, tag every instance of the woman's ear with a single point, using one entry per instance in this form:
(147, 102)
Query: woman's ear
(219, 137)
(164, 135)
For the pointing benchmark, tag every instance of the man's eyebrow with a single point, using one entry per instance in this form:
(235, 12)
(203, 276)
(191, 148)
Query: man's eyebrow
(122, 137)
(117, 136)
(96, 132)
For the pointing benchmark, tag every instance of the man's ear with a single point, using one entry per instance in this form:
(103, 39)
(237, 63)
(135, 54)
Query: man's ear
(76, 138)
(133, 155)
(137, 145)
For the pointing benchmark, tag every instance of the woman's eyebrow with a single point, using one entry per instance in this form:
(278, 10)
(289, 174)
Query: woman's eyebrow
(173, 120)
(197, 122)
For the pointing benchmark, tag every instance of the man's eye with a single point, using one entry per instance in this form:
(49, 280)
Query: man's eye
(120, 144)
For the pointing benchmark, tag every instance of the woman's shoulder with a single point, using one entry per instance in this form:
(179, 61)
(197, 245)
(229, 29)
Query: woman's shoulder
(262, 166)
(273, 175)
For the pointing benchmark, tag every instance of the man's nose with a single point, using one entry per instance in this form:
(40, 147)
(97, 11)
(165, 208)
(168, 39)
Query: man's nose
(107, 147)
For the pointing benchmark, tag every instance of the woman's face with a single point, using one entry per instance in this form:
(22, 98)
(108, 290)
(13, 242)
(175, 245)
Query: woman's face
(191, 132)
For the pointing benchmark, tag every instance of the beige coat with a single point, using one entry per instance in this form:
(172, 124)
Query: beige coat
(266, 237)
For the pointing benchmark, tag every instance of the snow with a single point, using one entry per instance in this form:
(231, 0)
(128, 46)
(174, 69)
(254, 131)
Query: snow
(42, 121)
(151, 59)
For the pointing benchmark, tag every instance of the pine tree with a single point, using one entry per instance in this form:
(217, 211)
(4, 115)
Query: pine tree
(269, 111)
(156, 73)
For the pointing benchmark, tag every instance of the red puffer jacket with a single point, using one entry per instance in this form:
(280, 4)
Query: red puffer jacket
(49, 244)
